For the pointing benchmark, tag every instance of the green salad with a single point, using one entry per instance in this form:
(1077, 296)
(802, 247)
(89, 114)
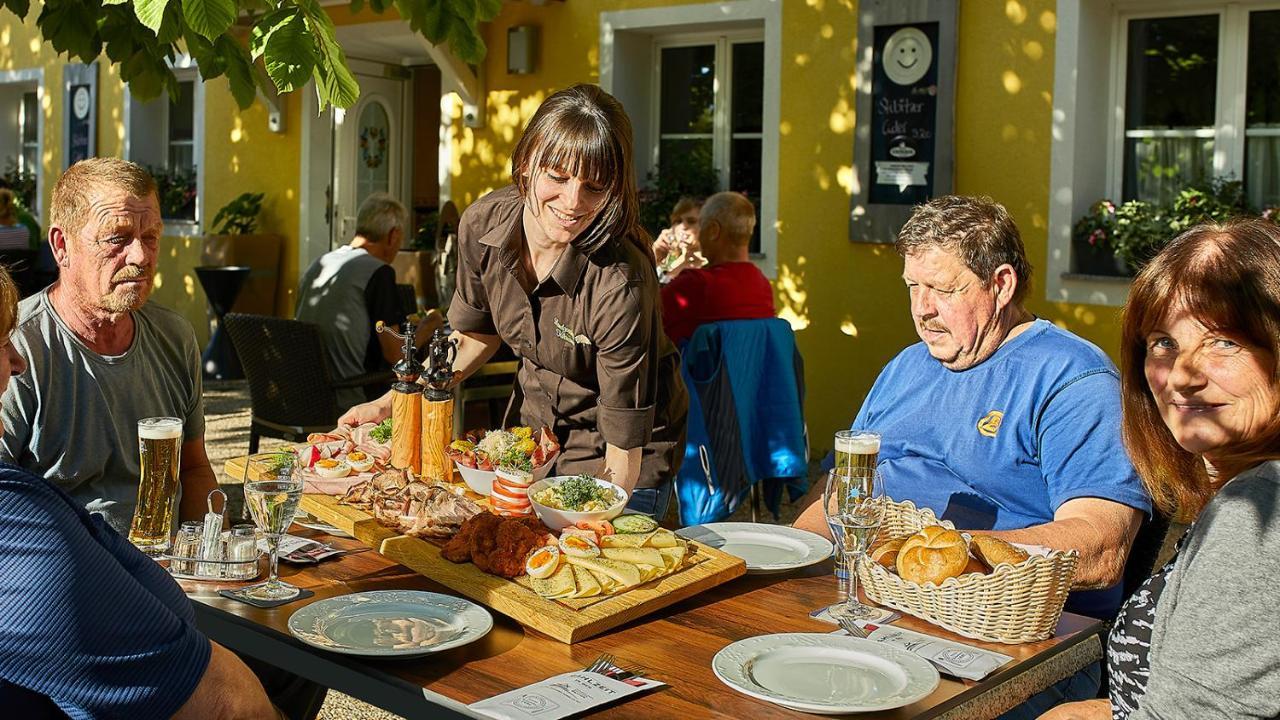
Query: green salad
(382, 433)
(578, 494)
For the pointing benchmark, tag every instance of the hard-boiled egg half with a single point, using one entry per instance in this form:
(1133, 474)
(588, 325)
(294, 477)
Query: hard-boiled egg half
(578, 546)
(330, 468)
(360, 461)
(543, 562)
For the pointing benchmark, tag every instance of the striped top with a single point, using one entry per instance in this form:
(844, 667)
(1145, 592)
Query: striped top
(92, 627)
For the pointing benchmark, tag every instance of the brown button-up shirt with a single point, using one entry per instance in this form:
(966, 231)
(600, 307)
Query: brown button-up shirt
(596, 366)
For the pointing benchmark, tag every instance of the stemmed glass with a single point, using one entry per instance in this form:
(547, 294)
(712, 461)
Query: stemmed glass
(852, 502)
(273, 504)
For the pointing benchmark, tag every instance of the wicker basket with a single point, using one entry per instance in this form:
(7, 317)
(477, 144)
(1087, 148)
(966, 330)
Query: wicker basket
(1014, 604)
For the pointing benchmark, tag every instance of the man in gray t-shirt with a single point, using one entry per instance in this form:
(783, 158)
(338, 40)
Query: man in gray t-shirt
(348, 290)
(100, 356)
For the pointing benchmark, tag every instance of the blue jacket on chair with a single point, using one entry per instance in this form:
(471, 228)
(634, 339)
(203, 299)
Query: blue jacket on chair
(746, 418)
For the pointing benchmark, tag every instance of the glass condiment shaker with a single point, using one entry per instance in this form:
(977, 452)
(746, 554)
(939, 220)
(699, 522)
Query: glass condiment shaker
(242, 549)
(186, 548)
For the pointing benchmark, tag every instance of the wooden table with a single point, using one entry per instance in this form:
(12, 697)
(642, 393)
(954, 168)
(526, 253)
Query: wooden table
(676, 644)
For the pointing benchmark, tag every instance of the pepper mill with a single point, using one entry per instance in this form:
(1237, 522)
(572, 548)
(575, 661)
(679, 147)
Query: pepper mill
(406, 402)
(437, 408)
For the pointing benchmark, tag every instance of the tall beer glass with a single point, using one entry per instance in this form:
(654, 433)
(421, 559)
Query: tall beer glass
(856, 451)
(159, 449)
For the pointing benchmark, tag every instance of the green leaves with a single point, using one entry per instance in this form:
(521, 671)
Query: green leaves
(17, 7)
(290, 41)
(150, 12)
(287, 46)
(209, 18)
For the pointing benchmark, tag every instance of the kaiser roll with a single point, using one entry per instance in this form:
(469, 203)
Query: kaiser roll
(886, 553)
(994, 551)
(933, 555)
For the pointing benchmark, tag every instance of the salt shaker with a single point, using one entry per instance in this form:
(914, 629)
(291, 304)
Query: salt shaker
(211, 538)
(187, 545)
(242, 550)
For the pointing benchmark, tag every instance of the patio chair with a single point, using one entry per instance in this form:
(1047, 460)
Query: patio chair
(291, 386)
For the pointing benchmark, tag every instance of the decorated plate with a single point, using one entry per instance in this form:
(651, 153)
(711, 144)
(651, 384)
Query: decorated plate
(390, 623)
(825, 674)
(766, 548)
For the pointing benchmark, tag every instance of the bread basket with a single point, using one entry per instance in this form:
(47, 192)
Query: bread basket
(1013, 604)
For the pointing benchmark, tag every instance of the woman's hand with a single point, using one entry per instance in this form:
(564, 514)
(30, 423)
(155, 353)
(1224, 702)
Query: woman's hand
(1083, 710)
(374, 411)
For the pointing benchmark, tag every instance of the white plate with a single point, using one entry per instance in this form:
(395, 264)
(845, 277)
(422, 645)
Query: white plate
(825, 674)
(766, 548)
(390, 623)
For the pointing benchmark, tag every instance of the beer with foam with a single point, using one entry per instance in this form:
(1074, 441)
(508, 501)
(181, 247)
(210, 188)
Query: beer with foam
(857, 451)
(159, 451)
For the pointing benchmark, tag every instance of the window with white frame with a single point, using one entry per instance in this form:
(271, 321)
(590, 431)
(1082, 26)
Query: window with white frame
(1194, 94)
(165, 136)
(709, 109)
(1191, 82)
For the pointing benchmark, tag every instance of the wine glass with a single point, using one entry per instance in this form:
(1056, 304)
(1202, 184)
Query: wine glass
(273, 504)
(852, 502)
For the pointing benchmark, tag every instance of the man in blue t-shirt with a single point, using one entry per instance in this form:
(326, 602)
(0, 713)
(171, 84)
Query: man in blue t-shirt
(998, 421)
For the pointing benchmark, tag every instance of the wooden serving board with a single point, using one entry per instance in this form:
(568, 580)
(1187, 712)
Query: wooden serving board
(567, 621)
(559, 620)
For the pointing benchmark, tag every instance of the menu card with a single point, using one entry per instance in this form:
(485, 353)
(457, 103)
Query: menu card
(561, 696)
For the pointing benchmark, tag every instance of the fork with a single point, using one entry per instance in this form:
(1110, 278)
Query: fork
(601, 664)
(851, 627)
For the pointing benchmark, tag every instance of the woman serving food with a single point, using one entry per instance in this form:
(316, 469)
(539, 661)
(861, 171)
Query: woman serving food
(557, 267)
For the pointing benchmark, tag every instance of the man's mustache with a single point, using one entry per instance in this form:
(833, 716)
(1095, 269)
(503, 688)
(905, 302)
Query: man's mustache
(132, 272)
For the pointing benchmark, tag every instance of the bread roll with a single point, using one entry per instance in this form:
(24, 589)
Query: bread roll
(994, 551)
(975, 566)
(933, 555)
(886, 553)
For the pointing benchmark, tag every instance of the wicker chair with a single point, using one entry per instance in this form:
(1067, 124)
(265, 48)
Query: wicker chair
(290, 383)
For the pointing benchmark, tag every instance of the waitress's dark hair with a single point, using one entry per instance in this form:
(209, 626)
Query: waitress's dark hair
(583, 131)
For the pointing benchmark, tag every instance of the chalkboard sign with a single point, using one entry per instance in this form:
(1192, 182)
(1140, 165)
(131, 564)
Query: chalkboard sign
(81, 98)
(904, 137)
(904, 112)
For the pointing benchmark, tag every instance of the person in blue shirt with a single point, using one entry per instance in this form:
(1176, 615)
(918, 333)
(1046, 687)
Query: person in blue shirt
(91, 627)
(998, 421)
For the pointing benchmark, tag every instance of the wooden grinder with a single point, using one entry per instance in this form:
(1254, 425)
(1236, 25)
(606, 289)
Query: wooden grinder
(437, 408)
(406, 403)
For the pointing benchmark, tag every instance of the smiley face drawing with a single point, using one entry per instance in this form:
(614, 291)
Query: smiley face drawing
(907, 56)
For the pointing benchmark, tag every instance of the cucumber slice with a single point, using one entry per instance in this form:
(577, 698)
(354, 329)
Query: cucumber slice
(628, 524)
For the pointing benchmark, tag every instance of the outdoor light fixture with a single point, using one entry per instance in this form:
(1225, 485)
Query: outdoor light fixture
(522, 49)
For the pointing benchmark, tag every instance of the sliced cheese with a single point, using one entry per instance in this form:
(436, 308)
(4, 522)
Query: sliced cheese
(632, 540)
(588, 586)
(663, 538)
(608, 585)
(649, 572)
(635, 556)
(560, 585)
(625, 574)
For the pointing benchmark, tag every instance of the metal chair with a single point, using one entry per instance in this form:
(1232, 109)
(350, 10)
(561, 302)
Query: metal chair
(291, 386)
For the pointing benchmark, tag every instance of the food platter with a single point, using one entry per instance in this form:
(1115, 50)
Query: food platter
(825, 674)
(568, 619)
(766, 548)
(390, 623)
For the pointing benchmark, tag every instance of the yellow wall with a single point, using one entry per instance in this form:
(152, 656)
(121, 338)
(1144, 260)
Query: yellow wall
(846, 301)
(241, 155)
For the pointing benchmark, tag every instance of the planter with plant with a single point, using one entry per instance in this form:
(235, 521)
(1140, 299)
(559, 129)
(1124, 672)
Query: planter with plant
(234, 240)
(1119, 239)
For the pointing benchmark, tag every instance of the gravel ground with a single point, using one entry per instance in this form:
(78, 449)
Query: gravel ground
(227, 435)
